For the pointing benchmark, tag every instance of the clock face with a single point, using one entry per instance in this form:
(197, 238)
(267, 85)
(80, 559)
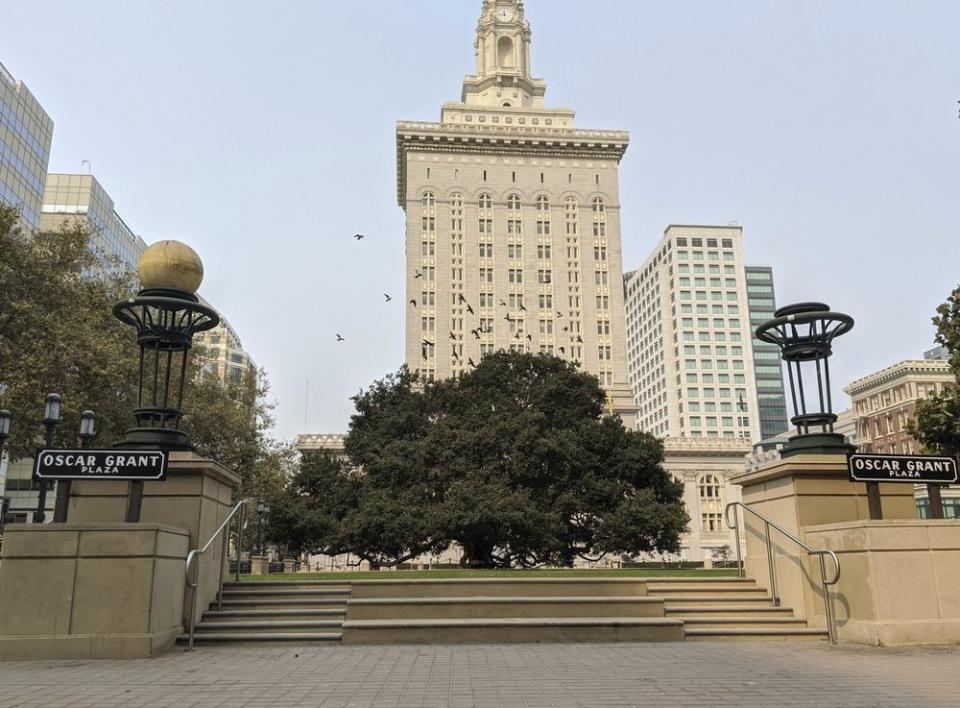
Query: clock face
(505, 14)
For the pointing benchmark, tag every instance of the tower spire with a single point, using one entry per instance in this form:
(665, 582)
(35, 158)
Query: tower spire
(502, 50)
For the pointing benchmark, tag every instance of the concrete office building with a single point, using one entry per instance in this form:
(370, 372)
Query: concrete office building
(885, 403)
(26, 132)
(512, 223)
(771, 399)
(225, 356)
(689, 339)
(71, 198)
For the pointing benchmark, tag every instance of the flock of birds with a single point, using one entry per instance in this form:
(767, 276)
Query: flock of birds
(479, 331)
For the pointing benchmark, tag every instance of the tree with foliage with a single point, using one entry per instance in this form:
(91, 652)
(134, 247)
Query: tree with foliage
(58, 334)
(937, 420)
(514, 462)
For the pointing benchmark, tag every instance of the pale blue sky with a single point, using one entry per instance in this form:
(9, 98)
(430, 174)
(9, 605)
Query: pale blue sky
(262, 133)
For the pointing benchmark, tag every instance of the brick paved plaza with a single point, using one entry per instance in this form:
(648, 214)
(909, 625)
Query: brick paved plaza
(689, 674)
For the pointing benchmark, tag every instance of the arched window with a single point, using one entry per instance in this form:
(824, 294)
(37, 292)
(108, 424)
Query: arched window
(505, 52)
(513, 202)
(711, 505)
(543, 216)
(709, 487)
(456, 213)
(599, 217)
(599, 206)
(428, 201)
(428, 212)
(543, 204)
(485, 201)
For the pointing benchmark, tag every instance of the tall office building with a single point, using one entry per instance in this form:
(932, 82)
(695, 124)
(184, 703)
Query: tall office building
(69, 198)
(26, 132)
(772, 401)
(512, 223)
(689, 338)
(225, 356)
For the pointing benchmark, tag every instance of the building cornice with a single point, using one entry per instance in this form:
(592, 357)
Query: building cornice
(501, 139)
(911, 367)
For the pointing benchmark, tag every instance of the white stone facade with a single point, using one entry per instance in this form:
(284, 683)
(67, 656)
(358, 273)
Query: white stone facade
(512, 223)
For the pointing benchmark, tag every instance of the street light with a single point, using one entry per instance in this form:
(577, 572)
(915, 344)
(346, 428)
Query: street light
(51, 418)
(262, 510)
(88, 431)
(5, 418)
(805, 333)
(166, 314)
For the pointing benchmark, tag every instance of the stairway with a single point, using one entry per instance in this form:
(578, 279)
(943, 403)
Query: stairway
(728, 608)
(301, 612)
(509, 610)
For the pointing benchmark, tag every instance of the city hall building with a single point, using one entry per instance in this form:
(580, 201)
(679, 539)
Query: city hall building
(512, 223)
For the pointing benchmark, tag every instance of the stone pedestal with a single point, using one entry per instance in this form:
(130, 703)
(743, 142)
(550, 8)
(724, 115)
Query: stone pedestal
(196, 496)
(289, 565)
(91, 591)
(811, 497)
(259, 565)
(98, 615)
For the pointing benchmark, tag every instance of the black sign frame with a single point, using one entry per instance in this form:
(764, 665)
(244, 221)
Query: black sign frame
(71, 465)
(885, 476)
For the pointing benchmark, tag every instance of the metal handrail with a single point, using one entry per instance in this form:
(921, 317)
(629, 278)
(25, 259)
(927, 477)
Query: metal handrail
(193, 566)
(820, 552)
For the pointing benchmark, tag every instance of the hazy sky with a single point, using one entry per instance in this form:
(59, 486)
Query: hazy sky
(262, 133)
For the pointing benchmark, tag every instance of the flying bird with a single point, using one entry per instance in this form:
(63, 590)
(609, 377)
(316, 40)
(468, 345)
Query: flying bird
(559, 314)
(418, 275)
(503, 304)
(359, 237)
(427, 343)
(475, 333)
(508, 318)
(389, 299)
(563, 350)
(340, 339)
(579, 339)
(517, 336)
(522, 308)
(566, 329)
(529, 337)
(453, 336)
(413, 302)
(470, 362)
(470, 310)
(460, 298)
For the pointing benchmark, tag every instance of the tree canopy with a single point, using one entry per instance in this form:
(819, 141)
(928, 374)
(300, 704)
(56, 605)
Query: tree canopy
(58, 334)
(937, 422)
(514, 462)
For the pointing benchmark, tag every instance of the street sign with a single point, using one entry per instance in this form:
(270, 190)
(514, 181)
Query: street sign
(913, 469)
(135, 465)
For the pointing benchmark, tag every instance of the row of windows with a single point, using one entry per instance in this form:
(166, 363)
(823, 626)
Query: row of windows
(428, 202)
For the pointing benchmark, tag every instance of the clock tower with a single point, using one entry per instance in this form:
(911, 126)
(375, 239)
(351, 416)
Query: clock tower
(513, 223)
(502, 49)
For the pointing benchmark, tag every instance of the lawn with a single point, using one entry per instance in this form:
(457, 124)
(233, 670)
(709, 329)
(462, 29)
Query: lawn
(447, 574)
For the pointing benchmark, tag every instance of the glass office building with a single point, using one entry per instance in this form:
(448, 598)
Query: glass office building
(26, 132)
(761, 300)
(69, 197)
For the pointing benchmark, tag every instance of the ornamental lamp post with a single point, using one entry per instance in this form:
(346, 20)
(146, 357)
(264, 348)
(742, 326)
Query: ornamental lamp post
(5, 418)
(51, 418)
(166, 314)
(88, 431)
(804, 333)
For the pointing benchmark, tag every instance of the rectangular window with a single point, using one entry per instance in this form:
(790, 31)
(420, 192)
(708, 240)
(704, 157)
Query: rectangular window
(515, 276)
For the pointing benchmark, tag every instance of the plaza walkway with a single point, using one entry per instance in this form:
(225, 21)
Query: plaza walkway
(737, 673)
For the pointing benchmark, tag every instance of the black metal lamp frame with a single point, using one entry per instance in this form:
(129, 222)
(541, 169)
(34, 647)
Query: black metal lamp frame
(804, 333)
(166, 321)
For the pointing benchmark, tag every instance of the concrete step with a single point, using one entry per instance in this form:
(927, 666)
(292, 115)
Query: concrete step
(705, 584)
(437, 608)
(500, 587)
(745, 622)
(270, 626)
(694, 634)
(717, 600)
(669, 590)
(513, 630)
(285, 592)
(706, 580)
(253, 637)
(282, 615)
(694, 611)
(343, 585)
(284, 604)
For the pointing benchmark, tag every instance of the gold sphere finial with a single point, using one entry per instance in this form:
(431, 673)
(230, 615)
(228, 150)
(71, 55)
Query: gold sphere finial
(171, 264)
